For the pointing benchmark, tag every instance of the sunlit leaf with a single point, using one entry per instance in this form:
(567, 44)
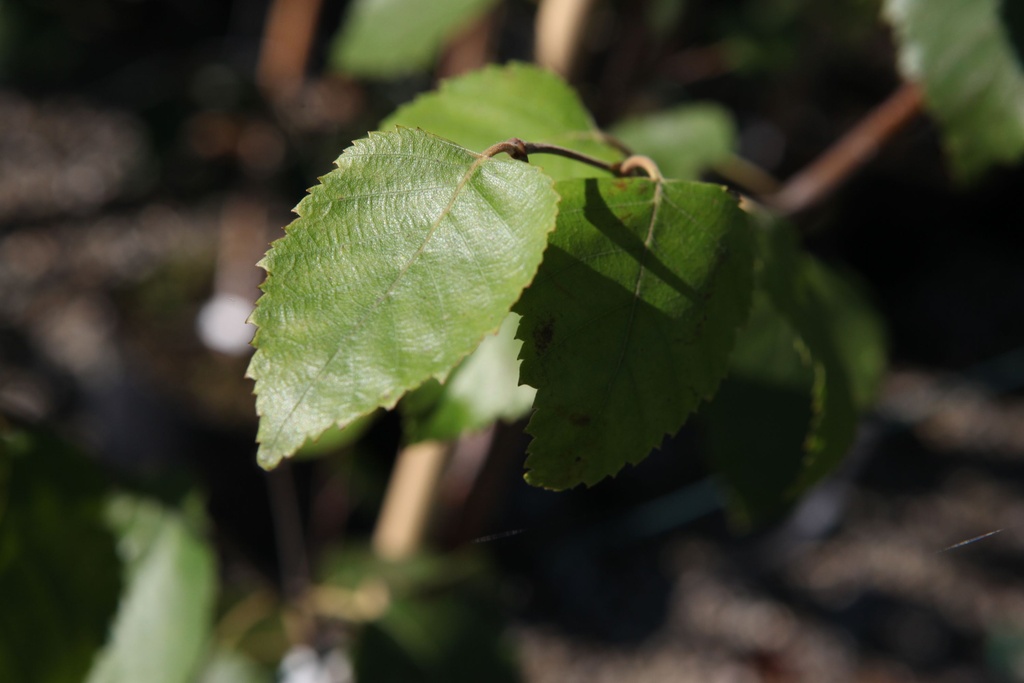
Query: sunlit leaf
(962, 55)
(684, 140)
(515, 100)
(630, 321)
(163, 625)
(475, 111)
(400, 262)
(388, 38)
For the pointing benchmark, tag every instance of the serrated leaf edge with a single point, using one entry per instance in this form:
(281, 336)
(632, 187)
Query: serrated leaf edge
(269, 462)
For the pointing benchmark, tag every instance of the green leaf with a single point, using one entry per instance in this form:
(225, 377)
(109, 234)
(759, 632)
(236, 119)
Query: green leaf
(961, 54)
(484, 388)
(162, 627)
(844, 341)
(630, 321)
(388, 38)
(400, 262)
(475, 111)
(435, 618)
(334, 438)
(806, 364)
(756, 428)
(59, 577)
(436, 638)
(683, 141)
(227, 666)
(501, 102)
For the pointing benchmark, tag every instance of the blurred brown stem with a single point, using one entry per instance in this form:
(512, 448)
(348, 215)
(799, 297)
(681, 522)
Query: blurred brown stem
(407, 502)
(470, 49)
(850, 152)
(559, 31)
(284, 51)
(288, 532)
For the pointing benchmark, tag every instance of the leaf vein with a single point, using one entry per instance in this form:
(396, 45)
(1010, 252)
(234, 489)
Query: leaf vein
(477, 162)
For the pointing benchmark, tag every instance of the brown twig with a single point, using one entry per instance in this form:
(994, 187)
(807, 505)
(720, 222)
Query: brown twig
(850, 152)
(521, 151)
(284, 50)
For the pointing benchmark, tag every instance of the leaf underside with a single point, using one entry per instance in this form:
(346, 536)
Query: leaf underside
(515, 100)
(962, 55)
(400, 262)
(630, 321)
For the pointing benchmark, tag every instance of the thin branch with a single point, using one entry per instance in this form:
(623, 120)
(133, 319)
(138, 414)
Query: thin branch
(288, 534)
(407, 502)
(560, 29)
(747, 175)
(850, 152)
(285, 46)
(521, 151)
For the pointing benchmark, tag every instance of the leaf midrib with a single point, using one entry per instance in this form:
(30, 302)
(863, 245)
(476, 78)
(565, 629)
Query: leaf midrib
(372, 309)
(628, 328)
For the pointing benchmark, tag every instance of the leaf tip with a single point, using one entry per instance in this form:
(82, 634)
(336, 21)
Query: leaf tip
(268, 459)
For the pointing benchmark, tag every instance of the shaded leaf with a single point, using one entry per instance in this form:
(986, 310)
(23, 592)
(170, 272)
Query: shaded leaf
(630, 321)
(59, 573)
(756, 428)
(437, 637)
(388, 38)
(484, 388)
(515, 100)
(811, 356)
(961, 54)
(1012, 15)
(163, 625)
(684, 140)
(843, 338)
(435, 618)
(400, 262)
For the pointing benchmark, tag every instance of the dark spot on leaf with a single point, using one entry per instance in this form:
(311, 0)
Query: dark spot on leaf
(543, 335)
(579, 419)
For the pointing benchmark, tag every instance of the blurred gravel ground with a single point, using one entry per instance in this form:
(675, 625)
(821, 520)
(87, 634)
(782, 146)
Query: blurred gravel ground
(876, 599)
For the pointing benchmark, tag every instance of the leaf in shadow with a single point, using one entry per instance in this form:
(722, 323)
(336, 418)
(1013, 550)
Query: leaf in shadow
(629, 322)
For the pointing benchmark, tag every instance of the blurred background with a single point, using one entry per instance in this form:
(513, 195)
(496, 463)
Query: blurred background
(150, 150)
